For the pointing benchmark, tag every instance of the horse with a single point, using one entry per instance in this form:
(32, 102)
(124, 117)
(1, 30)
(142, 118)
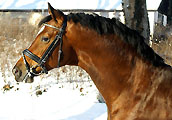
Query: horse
(135, 82)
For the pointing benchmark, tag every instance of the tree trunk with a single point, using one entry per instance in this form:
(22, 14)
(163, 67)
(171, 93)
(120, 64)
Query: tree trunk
(136, 17)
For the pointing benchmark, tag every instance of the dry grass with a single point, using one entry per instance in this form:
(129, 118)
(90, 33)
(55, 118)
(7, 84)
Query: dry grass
(162, 42)
(15, 35)
(164, 49)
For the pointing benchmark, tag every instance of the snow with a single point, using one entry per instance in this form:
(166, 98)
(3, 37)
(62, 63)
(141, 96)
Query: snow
(152, 4)
(6, 4)
(59, 101)
(70, 4)
(21, 3)
(60, 4)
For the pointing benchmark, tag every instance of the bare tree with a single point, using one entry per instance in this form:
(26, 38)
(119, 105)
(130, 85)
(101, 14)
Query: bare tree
(136, 17)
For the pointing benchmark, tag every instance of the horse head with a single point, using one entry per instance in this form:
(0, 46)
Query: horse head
(50, 49)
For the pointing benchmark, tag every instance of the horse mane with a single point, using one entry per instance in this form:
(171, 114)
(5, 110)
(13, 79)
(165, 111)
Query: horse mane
(104, 25)
(44, 20)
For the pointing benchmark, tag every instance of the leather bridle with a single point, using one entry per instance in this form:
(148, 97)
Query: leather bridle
(42, 60)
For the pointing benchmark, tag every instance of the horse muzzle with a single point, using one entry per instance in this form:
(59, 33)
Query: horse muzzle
(21, 75)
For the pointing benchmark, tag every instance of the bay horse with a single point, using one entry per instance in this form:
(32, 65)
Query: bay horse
(134, 81)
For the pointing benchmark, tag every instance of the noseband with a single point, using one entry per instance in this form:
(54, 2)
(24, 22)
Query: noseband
(41, 61)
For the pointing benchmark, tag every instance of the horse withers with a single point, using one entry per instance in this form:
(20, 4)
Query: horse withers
(134, 81)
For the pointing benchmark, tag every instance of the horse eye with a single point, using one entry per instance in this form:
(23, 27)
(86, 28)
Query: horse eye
(45, 39)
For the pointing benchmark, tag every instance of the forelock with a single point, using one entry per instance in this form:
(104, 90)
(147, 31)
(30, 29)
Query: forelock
(44, 20)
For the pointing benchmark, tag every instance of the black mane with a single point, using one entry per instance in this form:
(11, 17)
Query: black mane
(104, 25)
(44, 20)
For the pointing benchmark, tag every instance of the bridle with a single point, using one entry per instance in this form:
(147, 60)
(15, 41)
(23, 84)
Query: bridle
(42, 60)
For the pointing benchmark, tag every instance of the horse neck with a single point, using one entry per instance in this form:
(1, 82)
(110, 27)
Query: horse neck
(113, 66)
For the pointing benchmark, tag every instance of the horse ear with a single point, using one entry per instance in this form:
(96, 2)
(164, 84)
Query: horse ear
(55, 14)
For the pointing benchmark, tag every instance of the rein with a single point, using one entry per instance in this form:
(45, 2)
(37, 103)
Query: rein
(41, 61)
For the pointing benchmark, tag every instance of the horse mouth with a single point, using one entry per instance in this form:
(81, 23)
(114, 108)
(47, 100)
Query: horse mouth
(28, 78)
(21, 76)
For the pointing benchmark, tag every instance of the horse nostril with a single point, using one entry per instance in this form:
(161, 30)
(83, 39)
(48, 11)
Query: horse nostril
(17, 72)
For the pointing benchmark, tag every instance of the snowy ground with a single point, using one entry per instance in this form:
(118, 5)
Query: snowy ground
(45, 99)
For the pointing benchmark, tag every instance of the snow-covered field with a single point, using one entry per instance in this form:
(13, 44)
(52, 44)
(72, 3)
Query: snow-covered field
(46, 99)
